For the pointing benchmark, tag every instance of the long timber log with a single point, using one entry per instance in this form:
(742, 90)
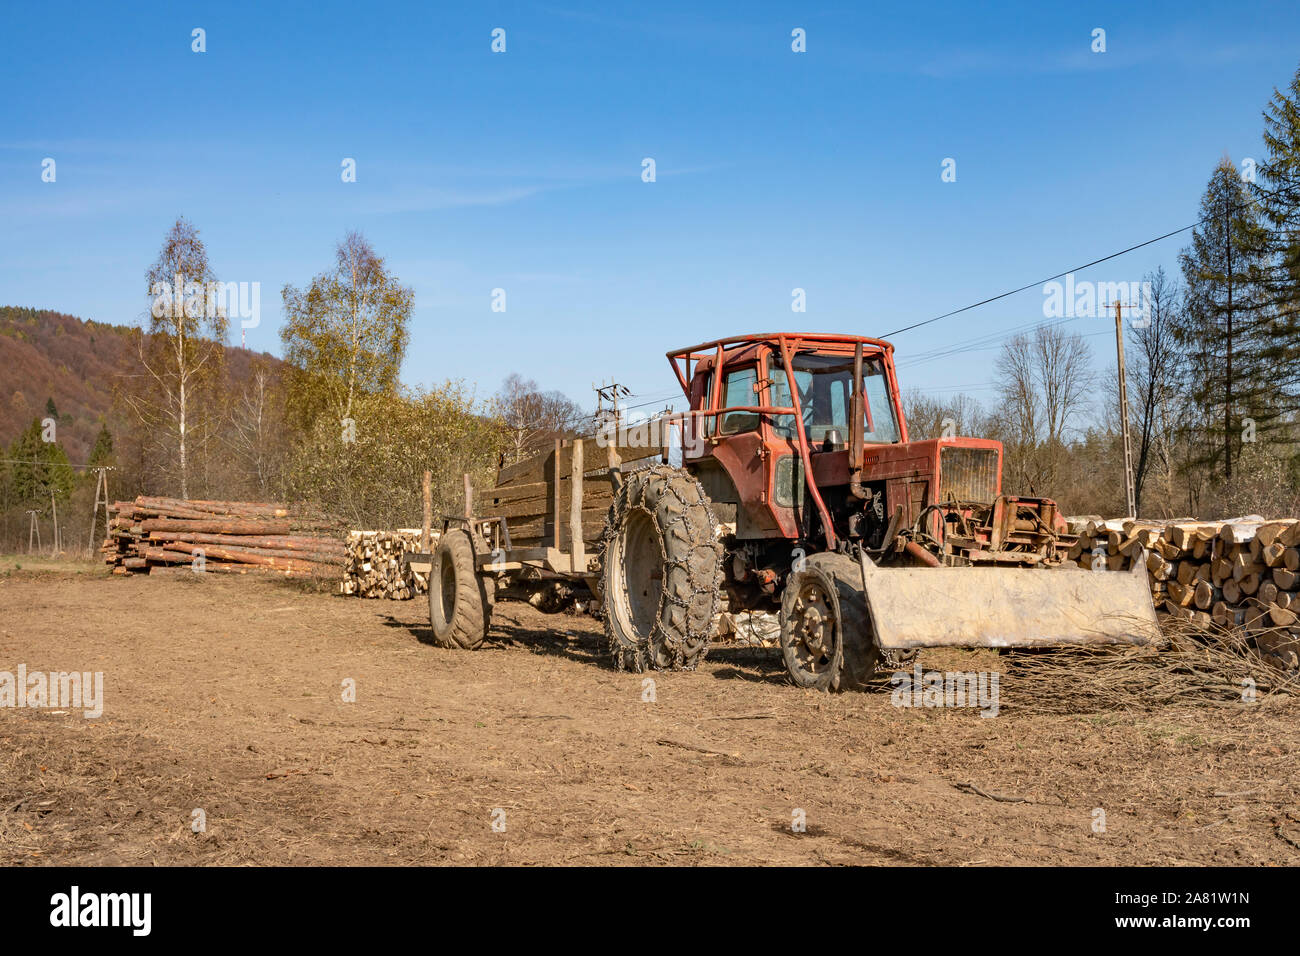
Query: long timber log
(159, 534)
(216, 526)
(270, 542)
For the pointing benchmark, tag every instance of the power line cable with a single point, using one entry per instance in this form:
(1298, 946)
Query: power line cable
(52, 464)
(991, 343)
(1059, 275)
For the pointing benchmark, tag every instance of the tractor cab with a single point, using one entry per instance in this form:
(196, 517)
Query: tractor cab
(767, 411)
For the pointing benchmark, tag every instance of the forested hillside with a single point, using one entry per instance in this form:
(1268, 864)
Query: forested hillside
(76, 363)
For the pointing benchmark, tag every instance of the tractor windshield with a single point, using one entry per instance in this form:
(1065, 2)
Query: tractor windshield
(825, 385)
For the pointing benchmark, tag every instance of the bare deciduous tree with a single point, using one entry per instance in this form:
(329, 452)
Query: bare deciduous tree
(175, 398)
(1062, 370)
(928, 416)
(256, 427)
(533, 417)
(1043, 392)
(1157, 402)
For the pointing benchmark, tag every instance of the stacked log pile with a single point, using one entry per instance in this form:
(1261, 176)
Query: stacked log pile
(156, 536)
(1243, 573)
(375, 569)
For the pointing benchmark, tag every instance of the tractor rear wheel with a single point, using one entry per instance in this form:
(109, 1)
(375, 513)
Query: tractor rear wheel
(826, 637)
(661, 571)
(460, 599)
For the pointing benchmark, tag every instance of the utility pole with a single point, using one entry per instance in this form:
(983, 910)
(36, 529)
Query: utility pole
(101, 481)
(1123, 412)
(609, 393)
(54, 513)
(33, 532)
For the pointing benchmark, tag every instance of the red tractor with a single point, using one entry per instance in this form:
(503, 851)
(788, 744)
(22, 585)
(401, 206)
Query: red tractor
(799, 492)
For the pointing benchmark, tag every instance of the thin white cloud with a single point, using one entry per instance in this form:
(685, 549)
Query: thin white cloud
(427, 199)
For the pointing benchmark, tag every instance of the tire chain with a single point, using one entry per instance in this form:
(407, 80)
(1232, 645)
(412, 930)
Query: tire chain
(896, 660)
(676, 645)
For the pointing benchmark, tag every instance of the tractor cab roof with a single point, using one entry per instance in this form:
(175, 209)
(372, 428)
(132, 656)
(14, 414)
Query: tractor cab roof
(740, 348)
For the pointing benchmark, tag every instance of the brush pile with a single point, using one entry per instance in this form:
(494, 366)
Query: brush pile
(153, 535)
(1200, 665)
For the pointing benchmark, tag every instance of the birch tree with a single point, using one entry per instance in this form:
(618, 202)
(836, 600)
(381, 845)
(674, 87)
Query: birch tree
(181, 355)
(345, 334)
(256, 432)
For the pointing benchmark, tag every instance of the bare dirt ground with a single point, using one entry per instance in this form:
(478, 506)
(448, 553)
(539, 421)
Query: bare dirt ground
(225, 695)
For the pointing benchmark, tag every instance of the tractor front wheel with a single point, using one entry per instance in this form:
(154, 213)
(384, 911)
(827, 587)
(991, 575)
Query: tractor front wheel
(826, 637)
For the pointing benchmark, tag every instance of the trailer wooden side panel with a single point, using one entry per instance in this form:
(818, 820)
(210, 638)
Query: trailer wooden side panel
(535, 496)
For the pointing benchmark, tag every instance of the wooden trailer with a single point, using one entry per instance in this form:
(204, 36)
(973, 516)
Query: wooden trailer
(541, 522)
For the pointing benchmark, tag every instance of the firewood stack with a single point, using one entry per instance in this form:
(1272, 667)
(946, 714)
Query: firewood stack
(153, 535)
(375, 569)
(1243, 573)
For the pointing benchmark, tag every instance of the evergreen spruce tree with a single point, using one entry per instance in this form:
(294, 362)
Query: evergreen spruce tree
(38, 468)
(102, 453)
(1224, 328)
(1277, 193)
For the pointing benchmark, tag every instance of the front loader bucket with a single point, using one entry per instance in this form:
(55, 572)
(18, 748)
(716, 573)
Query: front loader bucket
(1009, 607)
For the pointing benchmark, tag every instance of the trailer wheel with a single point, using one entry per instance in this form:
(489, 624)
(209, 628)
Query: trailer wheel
(460, 599)
(661, 571)
(826, 638)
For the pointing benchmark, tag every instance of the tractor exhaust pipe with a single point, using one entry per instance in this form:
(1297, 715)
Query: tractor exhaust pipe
(857, 412)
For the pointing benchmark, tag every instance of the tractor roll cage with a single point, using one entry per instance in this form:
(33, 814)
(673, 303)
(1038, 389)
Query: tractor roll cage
(787, 342)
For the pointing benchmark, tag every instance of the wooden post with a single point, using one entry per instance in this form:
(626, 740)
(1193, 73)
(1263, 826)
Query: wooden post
(54, 513)
(575, 510)
(615, 467)
(556, 533)
(94, 514)
(101, 480)
(469, 497)
(427, 523)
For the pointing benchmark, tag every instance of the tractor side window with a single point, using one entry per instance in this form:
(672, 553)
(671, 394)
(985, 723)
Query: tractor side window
(738, 390)
(705, 394)
(841, 393)
(706, 390)
(884, 425)
(783, 425)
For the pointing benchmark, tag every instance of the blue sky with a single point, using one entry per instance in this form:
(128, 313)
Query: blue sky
(522, 170)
